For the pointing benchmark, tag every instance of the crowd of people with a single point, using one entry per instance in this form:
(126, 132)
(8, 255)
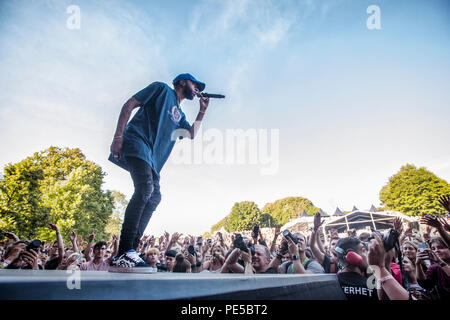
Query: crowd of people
(402, 263)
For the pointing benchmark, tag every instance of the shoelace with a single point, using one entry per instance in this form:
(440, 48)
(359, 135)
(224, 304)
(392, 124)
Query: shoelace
(134, 256)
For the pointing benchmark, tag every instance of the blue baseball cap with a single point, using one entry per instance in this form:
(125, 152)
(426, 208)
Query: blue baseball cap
(186, 76)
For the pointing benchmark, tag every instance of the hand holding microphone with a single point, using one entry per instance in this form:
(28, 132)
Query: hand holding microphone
(204, 100)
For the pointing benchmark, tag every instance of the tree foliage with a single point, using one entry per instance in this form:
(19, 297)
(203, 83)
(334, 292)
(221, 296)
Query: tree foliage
(55, 185)
(286, 209)
(245, 213)
(242, 217)
(115, 221)
(414, 191)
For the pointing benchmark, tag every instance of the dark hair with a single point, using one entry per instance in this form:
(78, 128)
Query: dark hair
(171, 253)
(346, 244)
(181, 264)
(438, 239)
(364, 236)
(100, 244)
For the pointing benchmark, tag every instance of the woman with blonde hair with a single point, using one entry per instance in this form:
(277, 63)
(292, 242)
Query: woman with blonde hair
(409, 249)
(217, 259)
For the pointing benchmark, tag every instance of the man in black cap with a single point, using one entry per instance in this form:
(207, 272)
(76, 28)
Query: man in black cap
(142, 147)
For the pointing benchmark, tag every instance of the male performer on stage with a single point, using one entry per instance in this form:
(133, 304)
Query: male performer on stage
(142, 147)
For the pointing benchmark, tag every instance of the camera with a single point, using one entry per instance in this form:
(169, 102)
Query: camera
(34, 245)
(191, 250)
(288, 234)
(390, 238)
(240, 243)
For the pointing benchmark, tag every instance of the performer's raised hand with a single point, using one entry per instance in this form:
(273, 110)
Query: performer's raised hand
(204, 102)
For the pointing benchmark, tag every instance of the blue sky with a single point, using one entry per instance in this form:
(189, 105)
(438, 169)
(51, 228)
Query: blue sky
(352, 105)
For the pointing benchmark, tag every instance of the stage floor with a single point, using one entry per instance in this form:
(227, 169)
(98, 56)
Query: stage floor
(88, 285)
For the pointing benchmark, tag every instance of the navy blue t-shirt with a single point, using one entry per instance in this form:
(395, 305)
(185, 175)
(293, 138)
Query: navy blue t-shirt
(151, 135)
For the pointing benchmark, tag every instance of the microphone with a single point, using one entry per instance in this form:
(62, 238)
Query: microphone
(210, 95)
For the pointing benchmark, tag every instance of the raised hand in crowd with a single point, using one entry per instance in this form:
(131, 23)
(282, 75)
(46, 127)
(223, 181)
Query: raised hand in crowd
(151, 241)
(173, 240)
(445, 202)
(73, 239)
(377, 257)
(31, 257)
(87, 250)
(59, 241)
(398, 224)
(10, 235)
(434, 222)
(273, 245)
(445, 224)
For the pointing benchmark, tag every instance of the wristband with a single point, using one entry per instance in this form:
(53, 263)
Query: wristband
(383, 280)
(6, 263)
(57, 232)
(443, 265)
(202, 112)
(294, 257)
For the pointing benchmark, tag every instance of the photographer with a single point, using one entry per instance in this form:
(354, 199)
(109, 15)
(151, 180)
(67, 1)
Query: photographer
(352, 254)
(295, 244)
(19, 256)
(258, 263)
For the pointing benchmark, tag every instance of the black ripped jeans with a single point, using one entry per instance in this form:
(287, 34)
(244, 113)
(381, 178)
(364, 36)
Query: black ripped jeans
(143, 203)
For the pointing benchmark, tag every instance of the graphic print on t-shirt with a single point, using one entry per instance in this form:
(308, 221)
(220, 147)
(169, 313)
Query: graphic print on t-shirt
(175, 115)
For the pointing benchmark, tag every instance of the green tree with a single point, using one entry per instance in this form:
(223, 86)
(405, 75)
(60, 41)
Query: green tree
(414, 191)
(286, 209)
(55, 185)
(115, 221)
(219, 225)
(242, 217)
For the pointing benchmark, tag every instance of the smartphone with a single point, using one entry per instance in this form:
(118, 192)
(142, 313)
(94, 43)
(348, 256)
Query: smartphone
(199, 240)
(423, 247)
(255, 230)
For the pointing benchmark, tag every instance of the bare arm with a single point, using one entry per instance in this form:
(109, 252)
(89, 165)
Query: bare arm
(59, 240)
(73, 239)
(116, 246)
(377, 257)
(125, 114)
(319, 242)
(204, 102)
(231, 263)
(87, 250)
(315, 249)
